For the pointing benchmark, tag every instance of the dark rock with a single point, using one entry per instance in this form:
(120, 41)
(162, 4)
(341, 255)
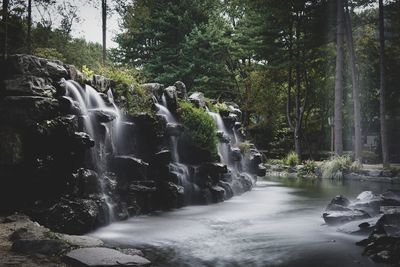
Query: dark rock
(87, 182)
(11, 146)
(155, 89)
(262, 170)
(130, 168)
(142, 186)
(27, 110)
(174, 129)
(82, 139)
(236, 154)
(69, 106)
(24, 233)
(56, 70)
(43, 246)
(338, 200)
(15, 218)
(170, 96)
(228, 189)
(340, 217)
(103, 115)
(198, 99)
(28, 86)
(181, 90)
(218, 194)
(390, 223)
(223, 138)
(368, 202)
(102, 257)
(163, 157)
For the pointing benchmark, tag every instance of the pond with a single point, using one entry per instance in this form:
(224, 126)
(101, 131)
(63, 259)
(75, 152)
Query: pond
(278, 223)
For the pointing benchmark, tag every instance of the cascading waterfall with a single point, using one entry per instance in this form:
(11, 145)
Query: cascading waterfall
(176, 167)
(90, 102)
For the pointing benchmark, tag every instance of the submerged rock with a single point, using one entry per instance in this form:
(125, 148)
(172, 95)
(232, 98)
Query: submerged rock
(102, 257)
(340, 217)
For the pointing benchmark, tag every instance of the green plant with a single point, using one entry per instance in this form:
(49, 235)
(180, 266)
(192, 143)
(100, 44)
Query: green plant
(199, 126)
(244, 147)
(291, 159)
(309, 167)
(334, 168)
(49, 53)
(87, 72)
(221, 107)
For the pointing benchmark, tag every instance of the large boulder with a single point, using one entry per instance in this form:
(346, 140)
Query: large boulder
(28, 86)
(129, 168)
(170, 98)
(181, 90)
(101, 83)
(155, 89)
(198, 99)
(340, 217)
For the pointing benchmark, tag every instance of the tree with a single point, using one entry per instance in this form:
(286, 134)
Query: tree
(104, 28)
(339, 82)
(5, 25)
(382, 95)
(355, 84)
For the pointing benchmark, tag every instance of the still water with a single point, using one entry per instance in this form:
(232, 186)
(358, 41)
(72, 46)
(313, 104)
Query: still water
(278, 223)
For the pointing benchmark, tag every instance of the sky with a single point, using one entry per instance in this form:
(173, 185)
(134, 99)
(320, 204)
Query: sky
(90, 25)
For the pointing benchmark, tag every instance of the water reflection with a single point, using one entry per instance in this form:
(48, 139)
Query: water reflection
(277, 224)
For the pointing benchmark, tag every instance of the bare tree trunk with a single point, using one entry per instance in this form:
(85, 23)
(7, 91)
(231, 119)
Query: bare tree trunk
(338, 124)
(382, 102)
(356, 89)
(29, 23)
(104, 20)
(5, 23)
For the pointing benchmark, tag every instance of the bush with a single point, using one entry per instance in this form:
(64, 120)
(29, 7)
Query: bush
(309, 167)
(291, 159)
(244, 147)
(49, 53)
(199, 126)
(334, 168)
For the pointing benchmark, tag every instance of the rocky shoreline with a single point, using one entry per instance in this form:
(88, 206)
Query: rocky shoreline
(25, 243)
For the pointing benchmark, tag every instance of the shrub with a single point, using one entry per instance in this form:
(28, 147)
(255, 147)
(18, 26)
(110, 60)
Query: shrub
(309, 167)
(244, 147)
(199, 126)
(88, 73)
(333, 168)
(49, 53)
(291, 159)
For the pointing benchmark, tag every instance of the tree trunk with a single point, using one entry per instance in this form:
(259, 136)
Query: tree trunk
(356, 89)
(104, 20)
(338, 124)
(382, 105)
(29, 23)
(5, 23)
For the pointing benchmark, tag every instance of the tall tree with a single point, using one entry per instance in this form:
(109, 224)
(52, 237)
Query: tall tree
(5, 24)
(339, 82)
(355, 84)
(382, 95)
(29, 27)
(104, 28)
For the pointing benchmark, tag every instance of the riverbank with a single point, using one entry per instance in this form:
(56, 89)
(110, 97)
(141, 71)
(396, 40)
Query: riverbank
(25, 243)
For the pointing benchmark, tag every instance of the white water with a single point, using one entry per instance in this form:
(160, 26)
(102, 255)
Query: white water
(90, 100)
(278, 223)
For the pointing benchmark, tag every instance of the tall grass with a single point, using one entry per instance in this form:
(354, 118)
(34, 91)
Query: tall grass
(334, 167)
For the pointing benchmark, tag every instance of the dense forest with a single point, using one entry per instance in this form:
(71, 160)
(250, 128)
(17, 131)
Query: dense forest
(302, 71)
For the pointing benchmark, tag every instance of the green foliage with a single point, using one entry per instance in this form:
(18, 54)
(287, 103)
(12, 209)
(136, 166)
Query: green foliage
(50, 53)
(199, 126)
(244, 147)
(334, 168)
(221, 107)
(87, 72)
(291, 159)
(308, 169)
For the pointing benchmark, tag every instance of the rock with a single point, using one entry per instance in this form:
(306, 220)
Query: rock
(100, 83)
(87, 182)
(102, 257)
(236, 154)
(81, 139)
(11, 146)
(27, 110)
(80, 241)
(223, 138)
(103, 115)
(174, 129)
(262, 170)
(56, 70)
(198, 99)
(15, 218)
(43, 246)
(390, 223)
(228, 189)
(170, 97)
(25, 233)
(77, 216)
(363, 227)
(69, 106)
(155, 89)
(368, 202)
(340, 217)
(28, 86)
(162, 157)
(218, 194)
(337, 201)
(130, 168)
(181, 90)
(142, 186)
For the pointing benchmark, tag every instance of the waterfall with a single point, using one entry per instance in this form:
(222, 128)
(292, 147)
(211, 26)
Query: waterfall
(91, 105)
(176, 167)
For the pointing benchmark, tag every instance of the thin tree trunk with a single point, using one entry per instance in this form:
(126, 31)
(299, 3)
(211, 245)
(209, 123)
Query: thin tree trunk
(5, 23)
(338, 124)
(382, 102)
(356, 89)
(29, 23)
(104, 20)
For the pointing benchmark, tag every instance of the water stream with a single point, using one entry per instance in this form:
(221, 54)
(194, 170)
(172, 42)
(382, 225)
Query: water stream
(278, 223)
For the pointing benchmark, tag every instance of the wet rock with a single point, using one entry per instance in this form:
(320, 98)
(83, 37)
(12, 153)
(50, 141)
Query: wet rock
(390, 223)
(236, 154)
(25, 233)
(338, 203)
(103, 115)
(129, 167)
(96, 257)
(368, 202)
(223, 138)
(69, 106)
(87, 182)
(262, 170)
(81, 139)
(218, 194)
(170, 97)
(363, 227)
(174, 129)
(27, 110)
(340, 217)
(80, 241)
(11, 146)
(163, 157)
(181, 90)
(42, 246)
(56, 70)
(198, 99)
(228, 189)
